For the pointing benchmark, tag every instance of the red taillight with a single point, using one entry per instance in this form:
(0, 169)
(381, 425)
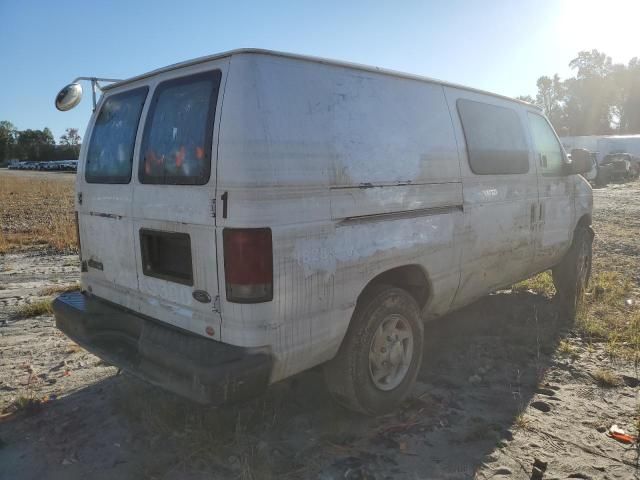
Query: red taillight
(248, 264)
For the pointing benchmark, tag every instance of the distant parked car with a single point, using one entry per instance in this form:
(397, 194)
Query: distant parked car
(621, 166)
(69, 165)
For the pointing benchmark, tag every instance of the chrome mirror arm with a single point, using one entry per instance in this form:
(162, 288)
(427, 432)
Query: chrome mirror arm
(94, 84)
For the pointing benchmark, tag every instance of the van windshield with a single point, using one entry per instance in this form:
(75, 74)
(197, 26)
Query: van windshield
(110, 154)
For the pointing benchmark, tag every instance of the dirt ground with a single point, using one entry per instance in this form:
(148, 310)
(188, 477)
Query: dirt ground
(505, 382)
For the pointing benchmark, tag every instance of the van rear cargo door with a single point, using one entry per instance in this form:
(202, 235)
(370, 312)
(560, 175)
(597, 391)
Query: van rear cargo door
(173, 200)
(104, 196)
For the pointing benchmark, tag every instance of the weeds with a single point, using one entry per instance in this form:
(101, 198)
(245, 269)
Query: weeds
(604, 316)
(26, 403)
(521, 422)
(40, 307)
(58, 289)
(73, 348)
(541, 284)
(606, 379)
(566, 349)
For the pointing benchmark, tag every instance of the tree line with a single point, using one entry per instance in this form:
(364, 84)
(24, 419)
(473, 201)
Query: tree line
(37, 145)
(602, 98)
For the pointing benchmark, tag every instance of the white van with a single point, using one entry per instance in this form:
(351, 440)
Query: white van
(249, 215)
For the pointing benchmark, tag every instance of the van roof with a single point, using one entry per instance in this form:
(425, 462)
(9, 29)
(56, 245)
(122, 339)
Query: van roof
(307, 58)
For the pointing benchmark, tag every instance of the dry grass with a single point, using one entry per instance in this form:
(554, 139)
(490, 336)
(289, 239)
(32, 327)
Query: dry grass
(58, 289)
(36, 212)
(605, 317)
(566, 349)
(607, 379)
(73, 348)
(40, 307)
(521, 422)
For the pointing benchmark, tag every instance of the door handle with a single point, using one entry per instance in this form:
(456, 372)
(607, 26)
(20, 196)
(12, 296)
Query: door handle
(533, 215)
(543, 160)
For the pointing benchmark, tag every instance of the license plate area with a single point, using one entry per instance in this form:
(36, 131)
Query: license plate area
(167, 255)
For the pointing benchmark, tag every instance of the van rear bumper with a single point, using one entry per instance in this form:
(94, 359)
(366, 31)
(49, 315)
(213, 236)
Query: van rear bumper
(204, 370)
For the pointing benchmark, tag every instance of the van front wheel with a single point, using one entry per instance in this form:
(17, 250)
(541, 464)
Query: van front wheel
(379, 359)
(571, 275)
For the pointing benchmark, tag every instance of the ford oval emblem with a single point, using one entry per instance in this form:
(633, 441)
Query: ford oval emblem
(201, 296)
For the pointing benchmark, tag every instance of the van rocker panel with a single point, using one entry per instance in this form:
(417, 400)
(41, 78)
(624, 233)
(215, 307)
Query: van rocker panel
(201, 369)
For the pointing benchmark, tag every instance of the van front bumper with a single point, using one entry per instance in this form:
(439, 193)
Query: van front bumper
(204, 370)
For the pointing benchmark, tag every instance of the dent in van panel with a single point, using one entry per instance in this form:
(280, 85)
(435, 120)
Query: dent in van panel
(372, 242)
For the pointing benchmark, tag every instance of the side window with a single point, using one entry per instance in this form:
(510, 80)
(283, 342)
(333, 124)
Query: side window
(496, 142)
(547, 147)
(110, 153)
(176, 146)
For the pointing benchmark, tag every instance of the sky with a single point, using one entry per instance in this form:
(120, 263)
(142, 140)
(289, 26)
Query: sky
(498, 45)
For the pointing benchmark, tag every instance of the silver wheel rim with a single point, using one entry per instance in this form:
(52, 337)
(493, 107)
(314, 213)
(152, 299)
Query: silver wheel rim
(391, 352)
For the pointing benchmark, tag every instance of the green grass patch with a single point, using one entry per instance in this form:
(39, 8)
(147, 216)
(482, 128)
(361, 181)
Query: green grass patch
(605, 317)
(541, 284)
(609, 288)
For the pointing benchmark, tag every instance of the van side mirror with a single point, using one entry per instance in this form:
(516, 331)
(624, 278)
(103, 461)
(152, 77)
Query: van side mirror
(580, 161)
(69, 97)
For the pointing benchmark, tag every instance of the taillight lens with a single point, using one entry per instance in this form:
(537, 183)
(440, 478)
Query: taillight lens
(248, 264)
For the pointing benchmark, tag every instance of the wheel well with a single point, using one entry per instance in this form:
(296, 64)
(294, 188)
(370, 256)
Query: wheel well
(584, 221)
(411, 278)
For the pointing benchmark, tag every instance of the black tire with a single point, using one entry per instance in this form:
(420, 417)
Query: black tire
(571, 275)
(349, 377)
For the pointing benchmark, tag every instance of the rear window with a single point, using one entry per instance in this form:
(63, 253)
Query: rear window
(110, 154)
(176, 146)
(496, 141)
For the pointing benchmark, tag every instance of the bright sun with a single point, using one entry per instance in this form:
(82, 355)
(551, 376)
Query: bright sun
(610, 26)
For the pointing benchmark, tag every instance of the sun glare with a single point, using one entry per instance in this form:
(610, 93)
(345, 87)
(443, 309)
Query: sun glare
(610, 27)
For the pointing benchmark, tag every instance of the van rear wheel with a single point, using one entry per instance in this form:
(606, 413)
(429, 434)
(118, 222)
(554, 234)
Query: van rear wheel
(571, 275)
(379, 359)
